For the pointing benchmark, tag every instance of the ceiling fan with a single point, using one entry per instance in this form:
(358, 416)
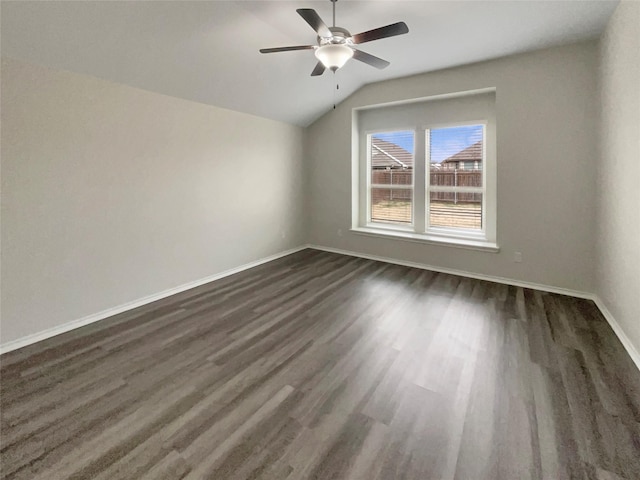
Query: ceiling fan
(336, 45)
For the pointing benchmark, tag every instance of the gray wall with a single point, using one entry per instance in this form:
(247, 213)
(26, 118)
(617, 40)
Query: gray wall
(546, 111)
(110, 194)
(618, 234)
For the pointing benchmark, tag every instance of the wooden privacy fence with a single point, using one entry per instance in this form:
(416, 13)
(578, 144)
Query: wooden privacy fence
(442, 178)
(456, 178)
(391, 177)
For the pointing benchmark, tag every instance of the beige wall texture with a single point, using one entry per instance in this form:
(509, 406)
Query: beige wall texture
(546, 115)
(618, 233)
(110, 194)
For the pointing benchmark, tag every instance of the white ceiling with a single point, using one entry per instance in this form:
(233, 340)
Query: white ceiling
(207, 51)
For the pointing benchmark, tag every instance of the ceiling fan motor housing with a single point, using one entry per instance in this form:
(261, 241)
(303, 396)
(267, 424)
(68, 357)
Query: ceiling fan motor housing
(339, 36)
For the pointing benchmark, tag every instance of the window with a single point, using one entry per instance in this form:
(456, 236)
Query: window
(426, 170)
(391, 181)
(454, 194)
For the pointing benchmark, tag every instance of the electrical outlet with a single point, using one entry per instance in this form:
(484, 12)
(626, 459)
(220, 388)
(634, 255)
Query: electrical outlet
(517, 257)
(283, 234)
(339, 232)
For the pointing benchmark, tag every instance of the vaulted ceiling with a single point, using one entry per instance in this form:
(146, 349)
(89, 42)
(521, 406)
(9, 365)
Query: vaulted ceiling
(207, 51)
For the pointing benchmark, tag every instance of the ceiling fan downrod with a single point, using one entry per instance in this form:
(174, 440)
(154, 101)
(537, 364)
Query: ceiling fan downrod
(334, 12)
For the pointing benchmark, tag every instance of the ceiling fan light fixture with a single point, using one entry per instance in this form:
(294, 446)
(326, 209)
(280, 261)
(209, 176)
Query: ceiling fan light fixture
(334, 56)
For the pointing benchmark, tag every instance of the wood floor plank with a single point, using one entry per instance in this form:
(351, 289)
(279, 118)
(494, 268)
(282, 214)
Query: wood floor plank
(325, 366)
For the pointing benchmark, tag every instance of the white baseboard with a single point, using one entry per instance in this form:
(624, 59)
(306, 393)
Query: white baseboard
(626, 343)
(461, 273)
(615, 326)
(52, 332)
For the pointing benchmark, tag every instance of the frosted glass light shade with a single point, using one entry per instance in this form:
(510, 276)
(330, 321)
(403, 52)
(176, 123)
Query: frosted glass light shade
(334, 56)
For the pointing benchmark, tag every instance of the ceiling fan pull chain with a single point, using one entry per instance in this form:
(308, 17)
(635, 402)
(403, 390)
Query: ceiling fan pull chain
(337, 88)
(334, 91)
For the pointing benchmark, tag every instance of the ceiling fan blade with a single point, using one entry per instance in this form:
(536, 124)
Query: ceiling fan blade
(370, 59)
(318, 70)
(287, 49)
(313, 19)
(392, 30)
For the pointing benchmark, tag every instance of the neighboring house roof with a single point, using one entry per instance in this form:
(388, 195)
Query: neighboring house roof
(473, 152)
(389, 155)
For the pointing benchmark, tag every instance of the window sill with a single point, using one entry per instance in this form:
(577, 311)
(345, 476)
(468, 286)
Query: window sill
(429, 239)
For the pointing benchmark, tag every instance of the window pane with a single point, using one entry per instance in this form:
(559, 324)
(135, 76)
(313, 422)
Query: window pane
(392, 158)
(456, 155)
(391, 205)
(456, 210)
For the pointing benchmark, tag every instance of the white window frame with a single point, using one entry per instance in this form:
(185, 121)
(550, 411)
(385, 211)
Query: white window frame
(475, 234)
(390, 224)
(414, 115)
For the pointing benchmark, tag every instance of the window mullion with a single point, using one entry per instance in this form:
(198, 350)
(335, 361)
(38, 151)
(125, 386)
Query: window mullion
(419, 180)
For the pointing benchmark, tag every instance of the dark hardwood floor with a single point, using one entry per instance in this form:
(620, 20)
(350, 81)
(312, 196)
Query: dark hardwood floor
(322, 366)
